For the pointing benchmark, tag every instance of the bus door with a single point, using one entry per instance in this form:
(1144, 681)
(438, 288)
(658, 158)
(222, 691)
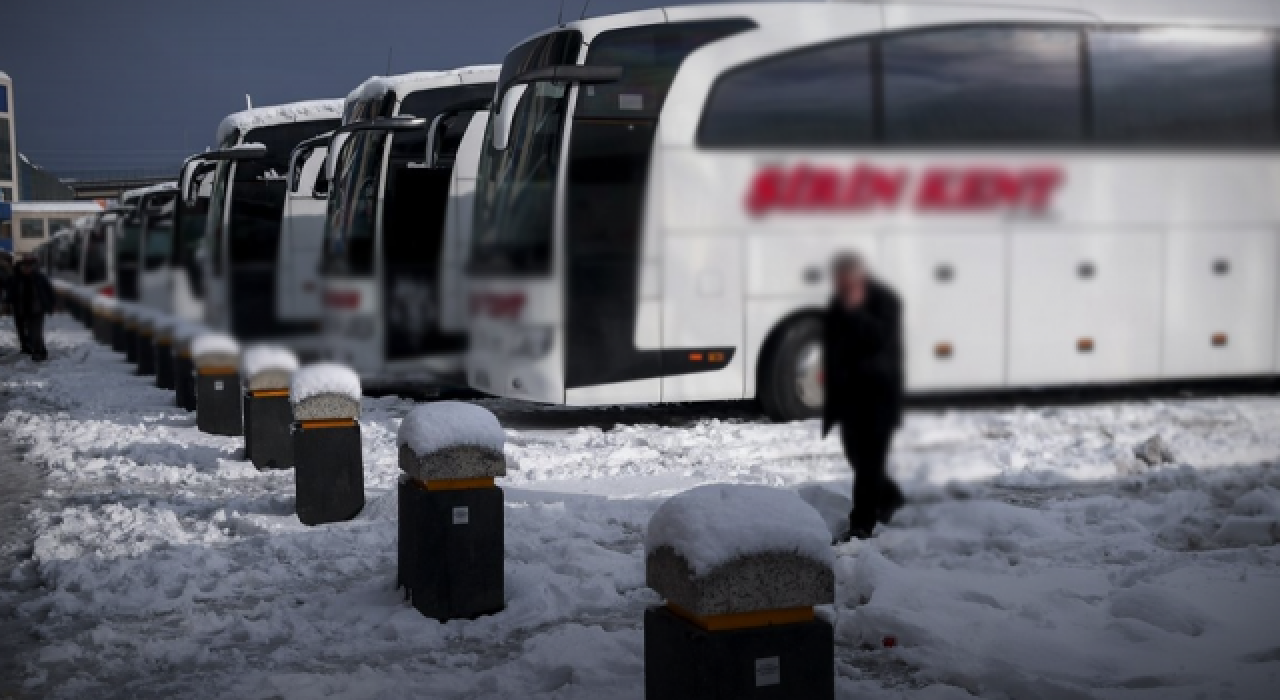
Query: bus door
(302, 236)
(190, 217)
(414, 242)
(621, 324)
(128, 247)
(157, 240)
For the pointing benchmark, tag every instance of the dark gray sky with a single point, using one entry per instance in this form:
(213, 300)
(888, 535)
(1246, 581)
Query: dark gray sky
(142, 83)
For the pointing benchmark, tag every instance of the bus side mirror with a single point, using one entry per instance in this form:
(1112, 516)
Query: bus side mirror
(503, 115)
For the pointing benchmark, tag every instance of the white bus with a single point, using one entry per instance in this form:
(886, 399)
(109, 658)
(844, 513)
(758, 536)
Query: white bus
(170, 276)
(240, 257)
(298, 284)
(1086, 195)
(399, 222)
(141, 245)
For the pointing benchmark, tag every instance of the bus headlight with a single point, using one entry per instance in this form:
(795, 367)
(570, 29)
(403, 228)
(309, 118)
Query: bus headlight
(530, 342)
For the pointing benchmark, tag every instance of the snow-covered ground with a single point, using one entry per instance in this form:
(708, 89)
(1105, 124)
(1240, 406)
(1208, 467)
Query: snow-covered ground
(1040, 558)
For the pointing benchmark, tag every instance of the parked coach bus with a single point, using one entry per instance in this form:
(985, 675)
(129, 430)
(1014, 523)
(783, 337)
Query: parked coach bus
(242, 231)
(134, 245)
(399, 223)
(1061, 196)
(170, 277)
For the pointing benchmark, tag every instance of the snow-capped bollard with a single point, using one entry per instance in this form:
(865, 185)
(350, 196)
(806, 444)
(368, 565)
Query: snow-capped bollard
(741, 568)
(328, 465)
(216, 357)
(266, 371)
(451, 512)
(184, 370)
(147, 321)
(104, 311)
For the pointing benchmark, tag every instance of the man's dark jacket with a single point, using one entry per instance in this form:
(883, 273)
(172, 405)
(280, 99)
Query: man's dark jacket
(862, 362)
(30, 293)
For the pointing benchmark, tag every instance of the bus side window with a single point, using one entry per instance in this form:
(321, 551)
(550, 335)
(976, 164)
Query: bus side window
(983, 85)
(813, 97)
(1176, 87)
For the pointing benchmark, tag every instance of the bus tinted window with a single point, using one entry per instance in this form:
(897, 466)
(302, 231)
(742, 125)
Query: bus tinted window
(997, 85)
(820, 97)
(1183, 86)
(649, 56)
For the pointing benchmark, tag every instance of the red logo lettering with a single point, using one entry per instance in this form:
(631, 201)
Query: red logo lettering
(498, 306)
(342, 299)
(867, 188)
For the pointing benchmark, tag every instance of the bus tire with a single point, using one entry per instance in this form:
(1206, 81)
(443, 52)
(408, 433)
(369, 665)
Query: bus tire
(790, 372)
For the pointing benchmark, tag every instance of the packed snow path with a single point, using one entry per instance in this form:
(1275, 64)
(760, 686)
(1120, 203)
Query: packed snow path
(1040, 559)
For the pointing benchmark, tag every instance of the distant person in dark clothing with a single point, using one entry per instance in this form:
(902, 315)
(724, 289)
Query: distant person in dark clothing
(863, 370)
(30, 297)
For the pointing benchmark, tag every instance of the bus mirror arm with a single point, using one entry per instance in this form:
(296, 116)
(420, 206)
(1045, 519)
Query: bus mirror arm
(583, 75)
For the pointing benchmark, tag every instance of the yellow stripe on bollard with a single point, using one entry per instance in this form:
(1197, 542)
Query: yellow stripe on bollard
(339, 423)
(263, 393)
(737, 621)
(216, 370)
(456, 484)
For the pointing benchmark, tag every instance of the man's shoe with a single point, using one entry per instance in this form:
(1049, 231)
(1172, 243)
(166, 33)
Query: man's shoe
(891, 505)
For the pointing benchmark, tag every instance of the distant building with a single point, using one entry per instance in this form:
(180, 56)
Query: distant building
(35, 184)
(34, 222)
(8, 161)
(8, 150)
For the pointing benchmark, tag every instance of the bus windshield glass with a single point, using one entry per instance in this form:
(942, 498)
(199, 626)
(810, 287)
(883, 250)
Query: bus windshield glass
(353, 204)
(159, 240)
(515, 187)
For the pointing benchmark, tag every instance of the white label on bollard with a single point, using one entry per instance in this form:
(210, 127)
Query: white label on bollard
(461, 515)
(217, 386)
(768, 671)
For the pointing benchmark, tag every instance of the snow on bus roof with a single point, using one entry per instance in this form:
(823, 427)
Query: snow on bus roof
(310, 110)
(55, 207)
(405, 83)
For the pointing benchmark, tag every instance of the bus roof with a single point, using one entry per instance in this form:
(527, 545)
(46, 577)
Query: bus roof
(378, 86)
(311, 110)
(67, 207)
(1261, 12)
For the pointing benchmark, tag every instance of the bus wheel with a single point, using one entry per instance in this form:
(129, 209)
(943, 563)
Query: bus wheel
(791, 376)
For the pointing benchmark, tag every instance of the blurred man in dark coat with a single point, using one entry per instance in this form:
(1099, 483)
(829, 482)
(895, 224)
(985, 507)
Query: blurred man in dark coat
(863, 369)
(30, 297)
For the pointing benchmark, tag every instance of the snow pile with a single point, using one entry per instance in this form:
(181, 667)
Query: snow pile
(433, 427)
(713, 524)
(213, 343)
(264, 358)
(324, 378)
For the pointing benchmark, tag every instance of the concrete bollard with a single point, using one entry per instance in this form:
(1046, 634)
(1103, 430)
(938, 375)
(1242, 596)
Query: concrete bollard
(266, 371)
(451, 512)
(184, 370)
(328, 465)
(147, 321)
(104, 310)
(741, 568)
(162, 349)
(216, 358)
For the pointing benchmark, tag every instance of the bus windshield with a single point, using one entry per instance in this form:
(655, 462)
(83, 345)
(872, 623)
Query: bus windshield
(353, 204)
(515, 187)
(159, 241)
